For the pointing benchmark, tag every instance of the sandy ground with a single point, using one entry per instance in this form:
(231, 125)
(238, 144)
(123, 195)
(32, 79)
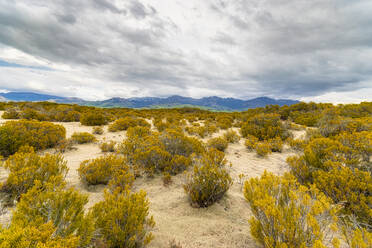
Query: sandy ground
(225, 224)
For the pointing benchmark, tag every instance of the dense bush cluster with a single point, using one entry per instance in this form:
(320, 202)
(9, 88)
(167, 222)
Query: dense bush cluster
(40, 135)
(127, 122)
(93, 119)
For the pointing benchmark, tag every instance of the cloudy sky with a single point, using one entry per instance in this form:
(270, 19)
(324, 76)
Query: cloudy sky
(317, 50)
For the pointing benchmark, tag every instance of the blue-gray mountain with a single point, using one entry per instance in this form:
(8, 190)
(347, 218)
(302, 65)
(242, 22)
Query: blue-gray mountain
(213, 103)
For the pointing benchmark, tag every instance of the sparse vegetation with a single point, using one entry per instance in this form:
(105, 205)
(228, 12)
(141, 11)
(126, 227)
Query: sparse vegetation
(83, 137)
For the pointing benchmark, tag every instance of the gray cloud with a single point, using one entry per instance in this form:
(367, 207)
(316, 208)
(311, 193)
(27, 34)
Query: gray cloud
(235, 48)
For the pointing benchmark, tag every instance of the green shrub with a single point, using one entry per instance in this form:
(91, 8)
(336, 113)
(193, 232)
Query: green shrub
(26, 167)
(98, 130)
(108, 146)
(286, 214)
(63, 209)
(124, 123)
(11, 114)
(83, 137)
(297, 144)
(101, 169)
(251, 142)
(263, 149)
(93, 119)
(207, 183)
(276, 144)
(218, 143)
(40, 135)
(231, 136)
(264, 127)
(122, 219)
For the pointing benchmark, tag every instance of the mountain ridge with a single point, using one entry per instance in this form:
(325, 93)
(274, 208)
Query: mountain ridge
(211, 102)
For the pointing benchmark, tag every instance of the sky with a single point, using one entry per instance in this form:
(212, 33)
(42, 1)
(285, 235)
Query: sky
(311, 50)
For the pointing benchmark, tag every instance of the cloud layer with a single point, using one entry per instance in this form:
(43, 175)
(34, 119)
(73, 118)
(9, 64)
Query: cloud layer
(303, 49)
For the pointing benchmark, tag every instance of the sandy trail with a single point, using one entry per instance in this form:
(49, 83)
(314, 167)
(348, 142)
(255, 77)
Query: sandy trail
(225, 224)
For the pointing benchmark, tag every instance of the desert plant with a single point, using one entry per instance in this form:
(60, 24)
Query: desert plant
(207, 183)
(124, 123)
(231, 136)
(218, 143)
(40, 135)
(251, 142)
(276, 144)
(286, 214)
(64, 145)
(97, 130)
(83, 137)
(122, 219)
(263, 148)
(101, 170)
(108, 146)
(26, 167)
(93, 119)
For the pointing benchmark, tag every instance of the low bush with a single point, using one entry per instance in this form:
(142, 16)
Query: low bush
(207, 183)
(93, 119)
(286, 214)
(297, 144)
(26, 167)
(251, 142)
(101, 170)
(97, 130)
(122, 219)
(127, 122)
(64, 209)
(218, 143)
(231, 136)
(108, 146)
(263, 149)
(276, 144)
(83, 137)
(64, 145)
(11, 114)
(40, 135)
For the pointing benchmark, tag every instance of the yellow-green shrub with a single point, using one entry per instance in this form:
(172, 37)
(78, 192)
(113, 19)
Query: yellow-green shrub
(63, 209)
(83, 137)
(64, 145)
(297, 144)
(98, 130)
(207, 183)
(122, 219)
(11, 114)
(40, 135)
(263, 148)
(108, 146)
(26, 167)
(125, 123)
(231, 136)
(93, 119)
(276, 144)
(287, 214)
(264, 127)
(218, 143)
(251, 142)
(101, 170)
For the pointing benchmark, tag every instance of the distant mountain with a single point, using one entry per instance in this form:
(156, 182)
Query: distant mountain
(212, 103)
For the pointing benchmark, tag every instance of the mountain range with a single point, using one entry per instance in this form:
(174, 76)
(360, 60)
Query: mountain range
(211, 103)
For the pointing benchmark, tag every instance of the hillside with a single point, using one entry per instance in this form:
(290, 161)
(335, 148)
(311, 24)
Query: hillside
(211, 103)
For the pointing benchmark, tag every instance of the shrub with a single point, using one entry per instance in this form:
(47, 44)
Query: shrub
(218, 143)
(297, 144)
(98, 130)
(101, 170)
(64, 145)
(11, 114)
(26, 167)
(167, 179)
(251, 142)
(93, 119)
(83, 137)
(108, 146)
(124, 123)
(207, 183)
(264, 127)
(40, 135)
(231, 136)
(122, 219)
(62, 209)
(286, 214)
(276, 144)
(263, 149)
